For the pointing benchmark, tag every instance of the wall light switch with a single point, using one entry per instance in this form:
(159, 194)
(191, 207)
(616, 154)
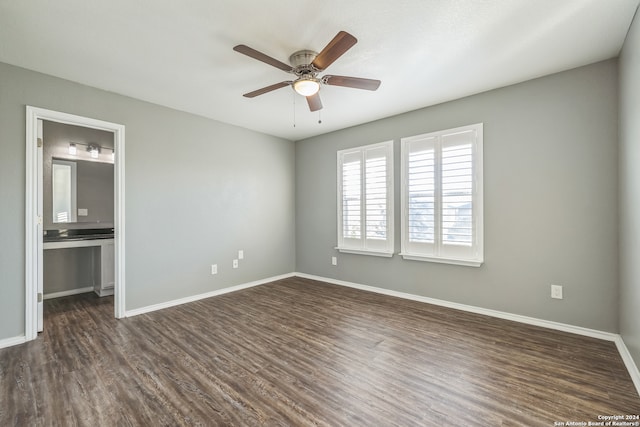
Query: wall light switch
(240, 254)
(83, 212)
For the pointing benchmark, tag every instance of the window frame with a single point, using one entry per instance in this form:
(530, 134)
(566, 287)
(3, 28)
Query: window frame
(363, 245)
(440, 251)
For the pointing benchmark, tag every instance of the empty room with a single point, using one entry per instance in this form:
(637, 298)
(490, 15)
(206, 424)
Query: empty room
(297, 213)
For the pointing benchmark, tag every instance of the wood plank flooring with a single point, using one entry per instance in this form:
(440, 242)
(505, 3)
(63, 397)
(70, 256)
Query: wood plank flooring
(298, 352)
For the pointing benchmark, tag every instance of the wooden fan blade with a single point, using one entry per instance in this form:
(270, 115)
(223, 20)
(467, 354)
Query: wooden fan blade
(246, 50)
(314, 102)
(355, 82)
(266, 89)
(341, 43)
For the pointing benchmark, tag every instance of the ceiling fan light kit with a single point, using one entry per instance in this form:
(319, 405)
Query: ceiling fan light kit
(306, 86)
(306, 65)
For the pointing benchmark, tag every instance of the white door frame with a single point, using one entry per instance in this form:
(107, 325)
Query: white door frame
(33, 227)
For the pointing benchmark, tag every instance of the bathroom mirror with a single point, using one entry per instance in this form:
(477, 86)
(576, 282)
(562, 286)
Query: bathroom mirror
(81, 192)
(64, 190)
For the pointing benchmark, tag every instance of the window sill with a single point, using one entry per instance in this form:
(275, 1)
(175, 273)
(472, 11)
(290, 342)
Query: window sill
(464, 262)
(365, 252)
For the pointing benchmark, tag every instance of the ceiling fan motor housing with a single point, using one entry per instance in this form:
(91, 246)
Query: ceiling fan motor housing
(301, 62)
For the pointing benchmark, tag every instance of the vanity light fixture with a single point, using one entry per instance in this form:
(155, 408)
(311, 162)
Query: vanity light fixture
(94, 150)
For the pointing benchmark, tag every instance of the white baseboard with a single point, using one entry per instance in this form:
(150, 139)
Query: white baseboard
(67, 293)
(8, 342)
(629, 362)
(593, 333)
(472, 309)
(160, 306)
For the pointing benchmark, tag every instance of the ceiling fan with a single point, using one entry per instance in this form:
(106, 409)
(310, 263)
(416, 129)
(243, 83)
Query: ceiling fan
(306, 65)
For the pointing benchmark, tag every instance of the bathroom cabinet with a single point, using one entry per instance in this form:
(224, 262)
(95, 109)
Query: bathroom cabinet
(102, 261)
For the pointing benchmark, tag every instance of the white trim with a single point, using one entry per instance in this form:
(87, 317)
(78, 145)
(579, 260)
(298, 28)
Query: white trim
(364, 252)
(628, 361)
(32, 251)
(40, 227)
(119, 223)
(10, 342)
(593, 333)
(32, 218)
(180, 301)
(67, 293)
(441, 260)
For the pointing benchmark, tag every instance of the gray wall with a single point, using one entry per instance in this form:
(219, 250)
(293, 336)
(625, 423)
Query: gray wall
(197, 190)
(630, 191)
(550, 207)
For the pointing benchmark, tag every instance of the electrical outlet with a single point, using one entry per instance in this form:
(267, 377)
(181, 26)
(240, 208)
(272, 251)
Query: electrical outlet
(556, 291)
(235, 263)
(214, 268)
(240, 254)
(334, 260)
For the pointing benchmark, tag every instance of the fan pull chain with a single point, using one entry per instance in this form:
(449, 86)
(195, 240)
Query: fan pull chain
(294, 110)
(319, 117)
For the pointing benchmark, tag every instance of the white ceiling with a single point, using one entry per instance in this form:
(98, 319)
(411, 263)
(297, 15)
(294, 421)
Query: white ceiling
(179, 54)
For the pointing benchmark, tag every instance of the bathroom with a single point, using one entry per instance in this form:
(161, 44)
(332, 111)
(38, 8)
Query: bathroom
(78, 210)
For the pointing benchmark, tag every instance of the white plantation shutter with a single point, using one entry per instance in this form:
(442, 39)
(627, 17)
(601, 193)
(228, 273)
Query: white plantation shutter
(442, 196)
(376, 194)
(365, 199)
(351, 197)
(457, 192)
(421, 200)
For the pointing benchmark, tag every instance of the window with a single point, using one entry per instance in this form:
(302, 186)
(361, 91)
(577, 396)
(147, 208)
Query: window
(365, 200)
(442, 196)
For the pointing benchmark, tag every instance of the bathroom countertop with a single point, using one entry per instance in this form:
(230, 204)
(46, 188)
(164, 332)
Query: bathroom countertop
(77, 234)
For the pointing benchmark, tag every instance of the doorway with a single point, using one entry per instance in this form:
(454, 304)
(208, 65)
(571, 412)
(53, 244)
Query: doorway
(34, 210)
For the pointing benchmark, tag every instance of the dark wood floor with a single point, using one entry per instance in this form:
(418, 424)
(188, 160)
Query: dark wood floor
(298, 352)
